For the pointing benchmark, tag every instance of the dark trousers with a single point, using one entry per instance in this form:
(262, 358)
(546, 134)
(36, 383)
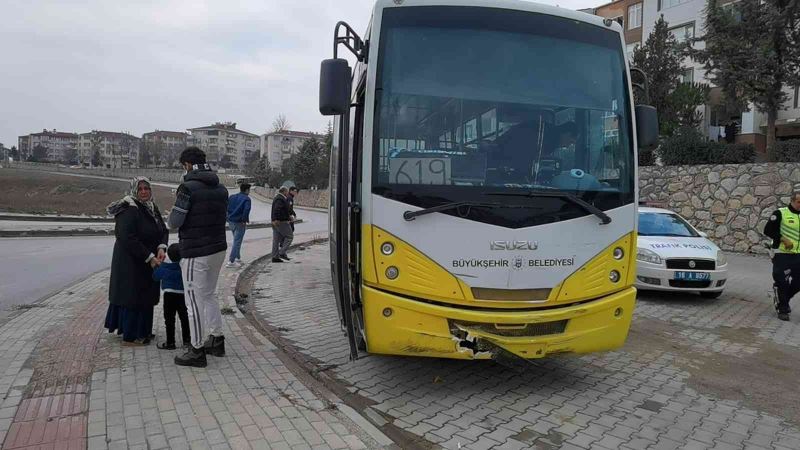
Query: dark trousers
(786, 274)
(175, 303)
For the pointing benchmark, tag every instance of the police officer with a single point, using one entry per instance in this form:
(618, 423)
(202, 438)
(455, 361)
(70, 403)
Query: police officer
(784, 229)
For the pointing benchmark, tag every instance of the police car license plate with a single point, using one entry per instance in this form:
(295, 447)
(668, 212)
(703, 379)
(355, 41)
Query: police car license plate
(692, 276)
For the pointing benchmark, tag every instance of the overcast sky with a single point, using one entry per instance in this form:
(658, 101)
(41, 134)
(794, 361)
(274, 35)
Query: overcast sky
(137, 66)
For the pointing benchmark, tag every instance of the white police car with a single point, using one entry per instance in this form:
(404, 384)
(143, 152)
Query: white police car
(674, 256)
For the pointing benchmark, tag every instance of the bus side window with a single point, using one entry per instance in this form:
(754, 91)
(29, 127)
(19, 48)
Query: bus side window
(357, 129)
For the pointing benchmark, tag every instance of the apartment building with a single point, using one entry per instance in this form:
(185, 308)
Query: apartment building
(116, 150)
(280, 145)
(224, 144)
(23, 145)
(627, 13)
(59, 144)
(686, 19)
(164, 147)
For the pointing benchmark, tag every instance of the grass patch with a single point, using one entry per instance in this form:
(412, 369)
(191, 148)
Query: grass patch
(36, 192)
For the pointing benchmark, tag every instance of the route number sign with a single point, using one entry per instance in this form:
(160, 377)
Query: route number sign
(419, 171)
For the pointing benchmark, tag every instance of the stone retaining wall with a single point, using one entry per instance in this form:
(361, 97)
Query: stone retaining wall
(731, 203)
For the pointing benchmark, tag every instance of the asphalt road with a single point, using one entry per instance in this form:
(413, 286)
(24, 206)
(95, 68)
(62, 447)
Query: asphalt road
(32, 268)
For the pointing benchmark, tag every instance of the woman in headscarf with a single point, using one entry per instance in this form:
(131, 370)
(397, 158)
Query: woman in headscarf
(140, 247)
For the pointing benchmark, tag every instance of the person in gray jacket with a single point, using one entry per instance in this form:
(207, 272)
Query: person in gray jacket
(282, 233)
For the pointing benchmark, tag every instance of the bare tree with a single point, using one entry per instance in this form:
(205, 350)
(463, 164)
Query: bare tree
(96, 147)
(169, 154)
(146, 154)
(281, 124)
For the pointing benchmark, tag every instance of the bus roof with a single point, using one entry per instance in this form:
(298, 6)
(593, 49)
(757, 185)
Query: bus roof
(519, 5)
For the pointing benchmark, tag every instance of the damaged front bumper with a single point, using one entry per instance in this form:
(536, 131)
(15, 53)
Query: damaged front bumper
(397, 325)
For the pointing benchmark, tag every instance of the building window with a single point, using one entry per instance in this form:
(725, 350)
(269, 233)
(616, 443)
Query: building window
(635, 16)
(687, 76)
(796, 95)
(683, 33)
(664, 4)
(733, 9)
(630, 48)
(488, 122)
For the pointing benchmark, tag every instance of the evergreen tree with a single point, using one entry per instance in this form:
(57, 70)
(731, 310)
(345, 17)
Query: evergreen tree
(329, 136)
(276, 177)
(70, 155)
(752, 50)
(260, 170)
(38, 154)
(676, 102)
(660, 58)
(324, 160)
(681, 108)
(304, 167)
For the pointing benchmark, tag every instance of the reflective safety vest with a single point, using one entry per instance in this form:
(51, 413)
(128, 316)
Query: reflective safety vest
(790, 229)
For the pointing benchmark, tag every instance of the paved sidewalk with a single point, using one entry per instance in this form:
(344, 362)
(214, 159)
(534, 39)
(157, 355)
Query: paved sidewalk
(67, 383)
(694, 374)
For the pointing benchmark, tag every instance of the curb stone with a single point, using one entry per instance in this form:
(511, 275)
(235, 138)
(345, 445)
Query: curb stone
(312, 370)
(99, 232)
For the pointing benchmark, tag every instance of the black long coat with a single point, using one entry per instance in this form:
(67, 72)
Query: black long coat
(280, 208)
(138, 235)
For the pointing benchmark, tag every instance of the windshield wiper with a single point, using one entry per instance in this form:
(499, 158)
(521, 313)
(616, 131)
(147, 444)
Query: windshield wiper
(586, 206)
(411, 215)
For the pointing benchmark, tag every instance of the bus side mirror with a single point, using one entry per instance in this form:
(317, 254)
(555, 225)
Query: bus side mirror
(334, 87)
(646, 126)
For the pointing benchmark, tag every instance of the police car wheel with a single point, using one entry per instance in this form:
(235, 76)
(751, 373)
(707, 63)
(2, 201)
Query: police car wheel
(711, 294)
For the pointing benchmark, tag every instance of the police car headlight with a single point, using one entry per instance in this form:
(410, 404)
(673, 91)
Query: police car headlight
(643, 254)
(721, 259)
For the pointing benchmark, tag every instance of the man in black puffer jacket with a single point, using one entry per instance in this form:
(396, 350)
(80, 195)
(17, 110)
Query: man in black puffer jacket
(199, 214)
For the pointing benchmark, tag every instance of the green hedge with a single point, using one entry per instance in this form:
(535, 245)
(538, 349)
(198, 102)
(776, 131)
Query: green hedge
(785, 151)
(685, 147)
(721, 153)
(688, 147)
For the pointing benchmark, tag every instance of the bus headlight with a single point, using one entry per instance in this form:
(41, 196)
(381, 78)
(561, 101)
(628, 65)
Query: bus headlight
(392, 272)
(643, 254)
(618, 253)
(721, 259)
(613, 276)
(387, 248)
